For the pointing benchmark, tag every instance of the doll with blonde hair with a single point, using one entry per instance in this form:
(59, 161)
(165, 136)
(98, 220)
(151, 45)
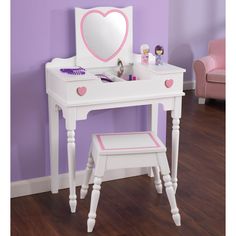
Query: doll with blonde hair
(144, 53)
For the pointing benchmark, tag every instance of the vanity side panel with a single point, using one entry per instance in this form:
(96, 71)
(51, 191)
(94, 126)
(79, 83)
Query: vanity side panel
(55, 87)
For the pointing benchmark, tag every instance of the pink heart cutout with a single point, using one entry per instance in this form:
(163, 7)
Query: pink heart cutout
(81, 90)
(169, 83)
(119, 47)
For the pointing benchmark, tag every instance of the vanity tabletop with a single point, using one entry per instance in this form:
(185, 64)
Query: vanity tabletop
(164, 68)
(159, 69)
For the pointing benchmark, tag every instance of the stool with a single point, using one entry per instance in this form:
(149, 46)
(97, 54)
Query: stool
(127, 150)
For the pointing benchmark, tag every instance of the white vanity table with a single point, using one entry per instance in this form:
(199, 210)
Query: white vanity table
(104, 35)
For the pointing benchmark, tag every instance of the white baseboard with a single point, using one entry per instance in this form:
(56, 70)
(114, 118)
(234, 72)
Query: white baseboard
(189, 85)
(42, 184)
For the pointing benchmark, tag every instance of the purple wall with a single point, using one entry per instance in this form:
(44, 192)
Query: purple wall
(191, 25)
(40, 31)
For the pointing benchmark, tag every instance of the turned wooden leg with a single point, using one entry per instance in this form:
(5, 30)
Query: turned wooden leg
(71, 167)
(171, 197)
(175, 114)
(153, 117)
(88, 173)
(157, 179)
(53, 112)
(94, 203)
(175, 151)
(165, 171)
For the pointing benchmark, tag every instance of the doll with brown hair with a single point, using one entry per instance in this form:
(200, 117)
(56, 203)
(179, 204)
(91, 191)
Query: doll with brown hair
(159, 51)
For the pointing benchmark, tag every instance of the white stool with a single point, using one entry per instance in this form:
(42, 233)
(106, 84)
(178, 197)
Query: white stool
(127, 150)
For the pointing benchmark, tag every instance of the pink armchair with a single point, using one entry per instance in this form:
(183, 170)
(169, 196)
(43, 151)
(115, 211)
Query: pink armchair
(210, 72)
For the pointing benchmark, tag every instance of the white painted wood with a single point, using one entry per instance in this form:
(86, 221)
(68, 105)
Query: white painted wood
(157, 179)
(61, 62)
(71, 167)
(43, 184)
(85, 59)
(69, 114)
(54, 140)
(94, 203)
(165, 171)
(175, 150)
(154, 118)
(137, 151)
(142, 88)
(201, 100)
(99, 173)
(163, 163)
(100, 166)
(78, 109)
(176, 115)
(154, 128)
(153, 110)
(87, 176)
(116, 95)
(171, 197)
(116, 142)
(149, 88)
(131, 161)
(88, 173)
(134, 142)
(167, 102)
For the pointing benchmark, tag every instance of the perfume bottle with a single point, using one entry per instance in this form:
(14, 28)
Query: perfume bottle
(144, 53)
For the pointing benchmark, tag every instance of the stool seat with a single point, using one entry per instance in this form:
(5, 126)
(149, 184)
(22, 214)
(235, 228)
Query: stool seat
(127, 143)
(127, 150)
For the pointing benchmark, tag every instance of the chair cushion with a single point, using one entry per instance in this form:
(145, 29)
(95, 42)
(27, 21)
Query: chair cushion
(124, 143)
(216, 76)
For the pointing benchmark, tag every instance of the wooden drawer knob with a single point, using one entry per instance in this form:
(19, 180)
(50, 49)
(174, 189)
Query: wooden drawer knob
(169, 83)
(81, 91)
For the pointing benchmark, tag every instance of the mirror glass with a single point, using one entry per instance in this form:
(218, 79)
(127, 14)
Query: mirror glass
(104, 34)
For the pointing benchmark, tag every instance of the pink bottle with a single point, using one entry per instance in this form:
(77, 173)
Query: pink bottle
(144, 53)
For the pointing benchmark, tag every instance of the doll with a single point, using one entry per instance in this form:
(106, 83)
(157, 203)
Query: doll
(144, 53)
(159, 51)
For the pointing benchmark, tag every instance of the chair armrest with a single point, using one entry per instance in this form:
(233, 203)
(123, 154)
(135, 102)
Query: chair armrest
(205, 64)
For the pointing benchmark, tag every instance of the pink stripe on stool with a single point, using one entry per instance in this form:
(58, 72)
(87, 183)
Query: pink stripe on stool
(100, 142)
(154, 140)
(103, 147)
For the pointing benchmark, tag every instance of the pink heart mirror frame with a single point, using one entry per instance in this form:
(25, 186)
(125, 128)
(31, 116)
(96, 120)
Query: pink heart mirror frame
(104, 15)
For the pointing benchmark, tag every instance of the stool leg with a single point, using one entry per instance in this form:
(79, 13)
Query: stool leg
(171, 197)
(99, 172)
(88, 173)
(165, 171)
(157, 179)
(94, 203)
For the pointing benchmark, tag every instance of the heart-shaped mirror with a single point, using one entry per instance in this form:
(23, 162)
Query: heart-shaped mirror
(104, 34)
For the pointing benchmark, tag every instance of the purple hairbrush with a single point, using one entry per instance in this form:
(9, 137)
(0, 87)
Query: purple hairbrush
(73, 71)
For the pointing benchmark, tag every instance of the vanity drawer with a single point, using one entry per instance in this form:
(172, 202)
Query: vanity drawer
(97, 91)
